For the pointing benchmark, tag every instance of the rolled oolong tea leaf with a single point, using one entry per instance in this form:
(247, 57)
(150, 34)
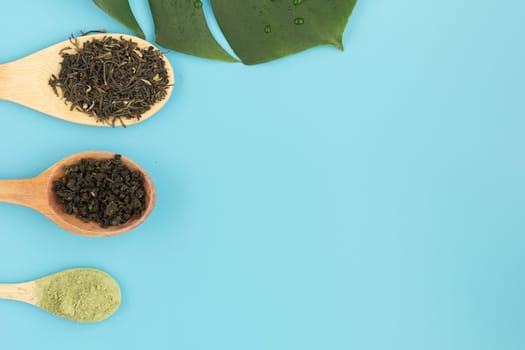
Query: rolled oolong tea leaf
(264, 30)
(121, 11)
(82, 295)
(111, 78)
(101, 190)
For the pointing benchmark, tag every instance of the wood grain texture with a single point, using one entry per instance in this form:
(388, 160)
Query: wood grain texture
(26, 82)
(25, 292)
(37, 193)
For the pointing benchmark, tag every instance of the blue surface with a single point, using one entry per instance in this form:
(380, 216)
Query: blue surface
(371, 199)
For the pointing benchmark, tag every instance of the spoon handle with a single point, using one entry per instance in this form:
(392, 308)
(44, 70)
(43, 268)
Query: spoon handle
(19, 291)
(24, 81)
(3, 80)
(26, 192)
(7, 83)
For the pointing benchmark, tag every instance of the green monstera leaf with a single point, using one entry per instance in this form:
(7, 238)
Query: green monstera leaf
(121, 11)
(257, 30)
(181, 26)
(264, 30)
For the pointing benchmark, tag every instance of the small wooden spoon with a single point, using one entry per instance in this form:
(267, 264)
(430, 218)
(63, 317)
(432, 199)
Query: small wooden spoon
(75, 294)
(37, 193)
(25, 81)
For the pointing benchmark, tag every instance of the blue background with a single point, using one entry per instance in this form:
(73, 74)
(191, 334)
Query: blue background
(371, 199)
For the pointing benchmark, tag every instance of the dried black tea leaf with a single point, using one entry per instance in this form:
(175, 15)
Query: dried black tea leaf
(104, 191)
(112, 79)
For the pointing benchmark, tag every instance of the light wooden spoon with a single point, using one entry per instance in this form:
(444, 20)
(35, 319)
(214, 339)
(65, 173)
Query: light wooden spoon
(81, 294)
(25, 81)
(37, 193)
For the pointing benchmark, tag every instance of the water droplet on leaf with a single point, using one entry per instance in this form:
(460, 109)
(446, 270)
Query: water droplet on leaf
(197, 4)
(298, 21)
(268, 29)
(297, 2)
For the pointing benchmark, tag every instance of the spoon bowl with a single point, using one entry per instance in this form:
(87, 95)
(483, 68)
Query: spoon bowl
(37, 193)
(25, 81)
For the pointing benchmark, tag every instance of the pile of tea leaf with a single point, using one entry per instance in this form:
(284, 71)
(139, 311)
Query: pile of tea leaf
(112, 79)
(82, 295)
(104, 191)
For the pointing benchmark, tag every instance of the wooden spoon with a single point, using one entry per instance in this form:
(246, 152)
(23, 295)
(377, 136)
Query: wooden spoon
(82, 294)
(25, 81)
(37, 193)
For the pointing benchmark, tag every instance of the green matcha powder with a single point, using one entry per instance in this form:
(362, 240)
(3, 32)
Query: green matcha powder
(82, 295)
